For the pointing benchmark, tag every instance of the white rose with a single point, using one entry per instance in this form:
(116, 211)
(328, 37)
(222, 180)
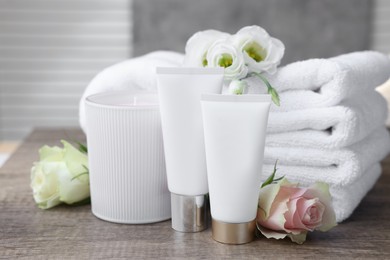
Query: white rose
(59, 176)
(198, 45)
(223, 54)
(45, 183)
(262, 53)
(238, 87)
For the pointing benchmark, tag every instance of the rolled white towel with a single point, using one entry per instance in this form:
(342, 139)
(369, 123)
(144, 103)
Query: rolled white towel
(137, 74)
(336, 167)
(328, 127)
(326, 82)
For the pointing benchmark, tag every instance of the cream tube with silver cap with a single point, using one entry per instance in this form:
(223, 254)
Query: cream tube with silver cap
(179, 91)
(234, 129)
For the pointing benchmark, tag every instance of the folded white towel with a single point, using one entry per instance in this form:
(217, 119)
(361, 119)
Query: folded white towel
(137, 74)
(347, 198)
(336, 167)
(328, 127)
(326, 82)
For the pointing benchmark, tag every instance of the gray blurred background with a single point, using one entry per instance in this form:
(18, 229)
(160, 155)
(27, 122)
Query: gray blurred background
(51, 49)
(308, 28)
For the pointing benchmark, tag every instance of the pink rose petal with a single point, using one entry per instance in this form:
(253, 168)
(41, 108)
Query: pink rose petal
(273, 204)
(320, 190)
(296, 221)
(311, 211)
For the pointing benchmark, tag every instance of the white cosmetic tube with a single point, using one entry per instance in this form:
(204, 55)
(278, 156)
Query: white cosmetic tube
(234, 128)
(179, 91)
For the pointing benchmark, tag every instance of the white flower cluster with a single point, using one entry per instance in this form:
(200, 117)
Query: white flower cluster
(250, 50)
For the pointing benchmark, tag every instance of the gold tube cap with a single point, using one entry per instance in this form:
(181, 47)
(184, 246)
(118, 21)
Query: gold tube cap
(233, 233)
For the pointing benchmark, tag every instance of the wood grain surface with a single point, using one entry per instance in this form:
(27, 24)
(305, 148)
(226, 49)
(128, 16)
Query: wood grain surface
(72, 232)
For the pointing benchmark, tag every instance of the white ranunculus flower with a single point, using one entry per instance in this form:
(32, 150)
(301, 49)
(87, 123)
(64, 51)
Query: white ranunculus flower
(238, 87)
(262, 53)
(198, 45)
(59, 176)
(223, 54)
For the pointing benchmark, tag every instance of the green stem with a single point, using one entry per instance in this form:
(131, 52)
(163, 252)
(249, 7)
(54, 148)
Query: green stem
(274, 94)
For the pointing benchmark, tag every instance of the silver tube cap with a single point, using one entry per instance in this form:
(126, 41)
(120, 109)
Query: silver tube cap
(189, 213)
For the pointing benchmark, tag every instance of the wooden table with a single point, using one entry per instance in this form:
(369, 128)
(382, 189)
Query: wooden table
(73, 232)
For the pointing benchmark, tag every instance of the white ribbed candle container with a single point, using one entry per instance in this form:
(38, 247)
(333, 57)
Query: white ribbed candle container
(126, 158)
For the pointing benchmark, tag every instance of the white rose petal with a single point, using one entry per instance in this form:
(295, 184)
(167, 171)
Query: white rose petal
(74, 159)
(45, 184)
(73, 189)
(223, 54)
(262, 53)
(198, 45)
(50, 154)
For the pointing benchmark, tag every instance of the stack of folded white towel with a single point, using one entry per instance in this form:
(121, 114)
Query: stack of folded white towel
(329, 127)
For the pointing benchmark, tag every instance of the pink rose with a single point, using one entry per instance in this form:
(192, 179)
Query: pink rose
(287, 210)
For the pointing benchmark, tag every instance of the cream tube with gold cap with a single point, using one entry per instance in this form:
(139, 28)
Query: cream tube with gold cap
(234, 129)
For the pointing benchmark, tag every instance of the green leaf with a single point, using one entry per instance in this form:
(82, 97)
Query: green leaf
(78, 175)
(81, 174)
(278, 179)
(270, 179)
(82, 148)
(81, 203)
(298, 238)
